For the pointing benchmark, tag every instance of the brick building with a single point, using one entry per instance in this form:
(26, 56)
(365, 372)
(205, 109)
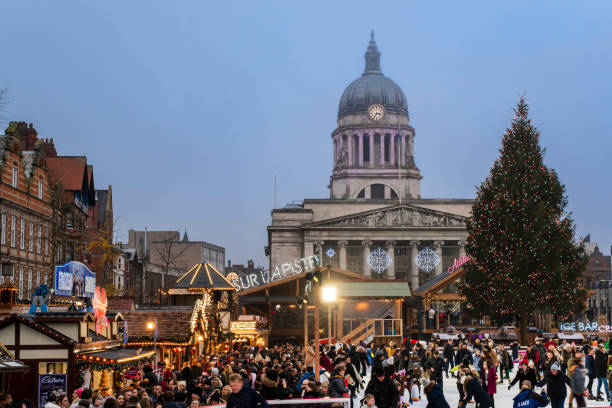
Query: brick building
(25, 209)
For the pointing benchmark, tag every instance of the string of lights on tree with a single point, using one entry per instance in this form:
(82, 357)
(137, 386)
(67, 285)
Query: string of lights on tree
(520, 237)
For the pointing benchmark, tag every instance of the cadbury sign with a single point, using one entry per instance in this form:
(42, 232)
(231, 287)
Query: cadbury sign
(280, 272)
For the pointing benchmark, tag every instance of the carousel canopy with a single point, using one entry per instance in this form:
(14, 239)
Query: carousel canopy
(200, 277)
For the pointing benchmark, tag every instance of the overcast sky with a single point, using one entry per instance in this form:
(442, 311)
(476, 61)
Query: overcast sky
(189, 108)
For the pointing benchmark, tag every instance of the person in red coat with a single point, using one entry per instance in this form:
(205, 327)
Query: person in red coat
(326, 363)
(489, 379)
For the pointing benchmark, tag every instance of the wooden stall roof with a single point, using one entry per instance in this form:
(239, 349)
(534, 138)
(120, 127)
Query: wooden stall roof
(172, 323)
(202, 276)
(377, 289)
(438, 282)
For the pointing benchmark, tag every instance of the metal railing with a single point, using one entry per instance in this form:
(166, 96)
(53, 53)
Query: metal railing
(303, 403)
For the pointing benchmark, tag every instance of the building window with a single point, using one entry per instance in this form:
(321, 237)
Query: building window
(29, 283)
(40, 189)
(31, 238)
(13, 230)
(3, 232)
(377, 191)
(69, 222)
(15, 176)
(20, 294)
(37, 278)
(22, 235)
(46, 242)
(38, 239)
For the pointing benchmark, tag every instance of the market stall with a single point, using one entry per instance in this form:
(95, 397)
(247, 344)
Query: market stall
(250, 330)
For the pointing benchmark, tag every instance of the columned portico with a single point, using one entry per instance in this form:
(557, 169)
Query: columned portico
(438, 249)
(367, 245)
(414, 270)
(342, 253)
(389, 246)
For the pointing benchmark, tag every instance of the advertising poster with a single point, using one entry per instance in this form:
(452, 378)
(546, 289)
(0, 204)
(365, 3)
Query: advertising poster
(49, 383)
(74, 279)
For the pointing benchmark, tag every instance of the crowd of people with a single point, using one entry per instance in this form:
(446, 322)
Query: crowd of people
(399, 376)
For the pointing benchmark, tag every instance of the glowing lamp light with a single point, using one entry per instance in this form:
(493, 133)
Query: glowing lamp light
(328, 293)
(200, 338)
(150, 325)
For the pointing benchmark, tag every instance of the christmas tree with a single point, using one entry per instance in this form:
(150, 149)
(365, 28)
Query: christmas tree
(525, 258)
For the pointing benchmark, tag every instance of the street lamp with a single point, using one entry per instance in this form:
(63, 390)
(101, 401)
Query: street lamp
(329, 295)
(153, 326)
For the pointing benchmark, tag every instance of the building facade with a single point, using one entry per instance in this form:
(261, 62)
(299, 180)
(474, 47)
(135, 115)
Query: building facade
(375, 222)
(25, 210)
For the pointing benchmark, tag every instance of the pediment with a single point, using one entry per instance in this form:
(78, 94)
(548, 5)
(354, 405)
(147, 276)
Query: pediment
(397, 216)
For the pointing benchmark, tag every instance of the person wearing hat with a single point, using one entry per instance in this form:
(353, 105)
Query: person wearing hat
(556, 382)
(384, 390)
(435, 396)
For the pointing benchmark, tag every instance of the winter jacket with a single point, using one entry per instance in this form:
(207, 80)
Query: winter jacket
(522, 376)
(589, 363)
(529, 399)
(246, 398)
(556, 385)
(337, 387)
(448, 352)
(51, 405)
(577, 379)
(463, 354)
(473, 388)
(490, 380)
(506, 360)
(435, 397)
(601, 364)
(437, 366)
(271, 390)
(384, 392)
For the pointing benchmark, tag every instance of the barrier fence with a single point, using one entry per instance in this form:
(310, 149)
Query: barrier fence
(303, 403)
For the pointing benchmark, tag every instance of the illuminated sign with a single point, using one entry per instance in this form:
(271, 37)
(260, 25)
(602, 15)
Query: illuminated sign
(243, 327)
(458, 263)
(283, 271)
(585, 327)
(74, 279)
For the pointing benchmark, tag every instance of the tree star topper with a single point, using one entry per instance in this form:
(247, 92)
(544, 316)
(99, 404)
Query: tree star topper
(379, 260)
(427, 259)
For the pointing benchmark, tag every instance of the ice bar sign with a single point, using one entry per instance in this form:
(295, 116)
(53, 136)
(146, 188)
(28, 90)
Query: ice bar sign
(585, 327)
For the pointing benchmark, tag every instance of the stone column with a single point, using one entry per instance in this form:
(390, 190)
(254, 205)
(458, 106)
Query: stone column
(381, 138)
(371, 137)
(438, 249)
(403, 151)
(391, 250)
(392, 153)
(342, 254)
(361, 150)
(318, 250)
(308, 248)
(461, 248)
(335, 152)
(350, 150)
(366, 251)
(414, 270)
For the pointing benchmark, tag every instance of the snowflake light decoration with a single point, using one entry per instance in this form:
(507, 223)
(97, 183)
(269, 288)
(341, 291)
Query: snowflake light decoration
(379, 260)
(330, 252)
(427, 259)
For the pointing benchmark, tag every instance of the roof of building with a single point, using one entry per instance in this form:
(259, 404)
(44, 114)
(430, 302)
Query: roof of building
(120, 303)
(172, 323)
(8, 363)
(372, 87)
(28, 321)
(68, 170)
(203, 276)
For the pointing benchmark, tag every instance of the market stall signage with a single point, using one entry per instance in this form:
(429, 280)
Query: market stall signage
(47, 383)
(458, 263)
(585, 327)
(243, 327)
(283, 271)
(74, 279)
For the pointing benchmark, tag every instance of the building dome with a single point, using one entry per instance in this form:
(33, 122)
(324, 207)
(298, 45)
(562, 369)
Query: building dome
(372, 87)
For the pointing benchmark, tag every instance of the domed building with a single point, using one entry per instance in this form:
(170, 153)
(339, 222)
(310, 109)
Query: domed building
(375, 225)
(374, 142)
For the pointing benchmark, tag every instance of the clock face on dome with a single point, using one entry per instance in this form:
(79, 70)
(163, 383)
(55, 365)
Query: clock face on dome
(376, 112)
